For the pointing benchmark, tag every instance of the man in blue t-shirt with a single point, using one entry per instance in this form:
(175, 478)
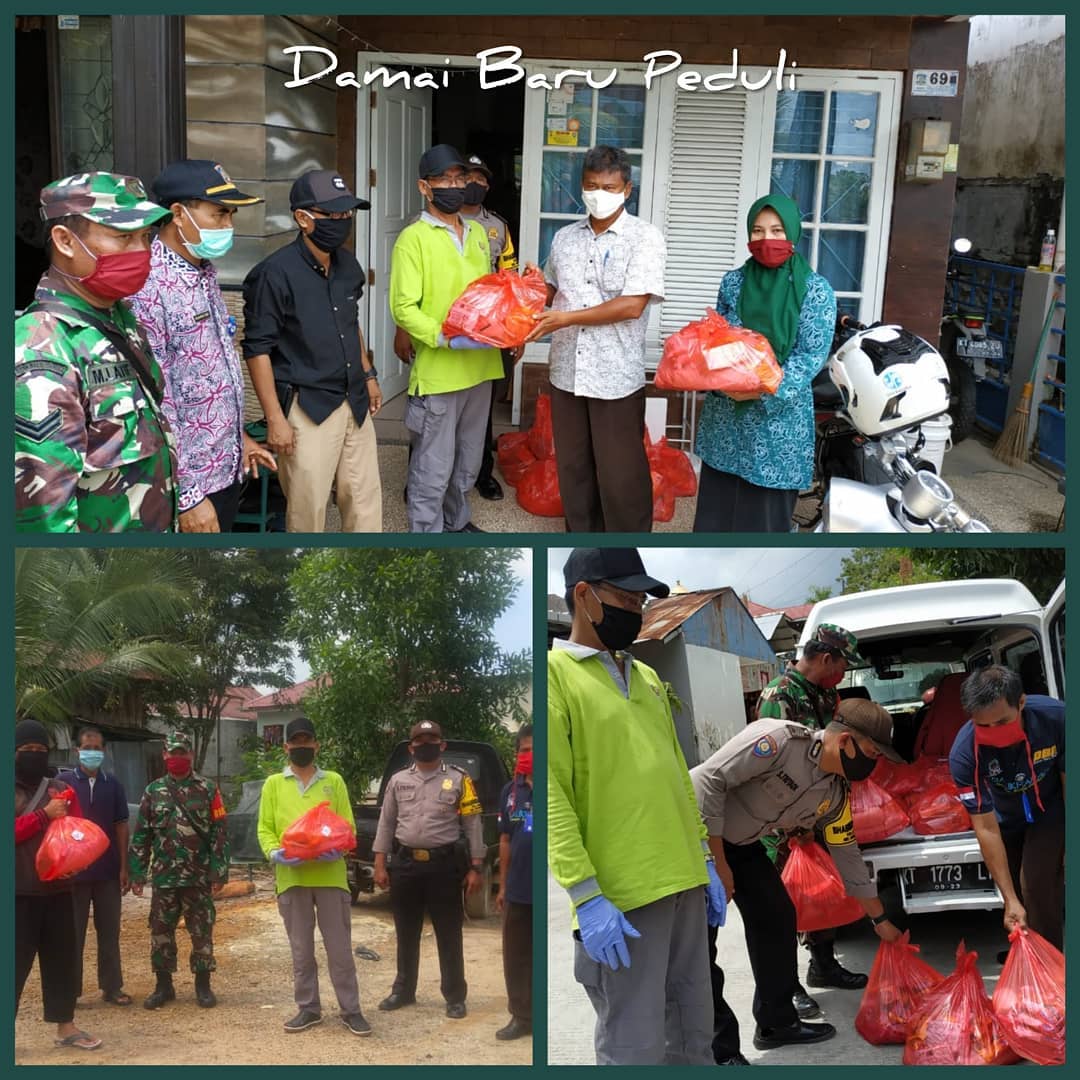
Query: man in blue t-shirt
(1008, 761)
(515, 888)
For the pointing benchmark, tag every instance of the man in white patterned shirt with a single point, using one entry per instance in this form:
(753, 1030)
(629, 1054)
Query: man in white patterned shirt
(602, 273)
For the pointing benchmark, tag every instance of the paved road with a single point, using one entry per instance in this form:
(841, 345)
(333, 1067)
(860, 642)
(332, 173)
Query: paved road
(570, 1017)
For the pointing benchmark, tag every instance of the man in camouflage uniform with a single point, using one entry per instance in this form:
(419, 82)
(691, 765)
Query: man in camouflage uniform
(180, 844)
(806, 693)
(93, 451)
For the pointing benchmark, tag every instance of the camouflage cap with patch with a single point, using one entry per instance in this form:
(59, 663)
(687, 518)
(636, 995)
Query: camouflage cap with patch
(121, 202)
(836, 637)
(178, 740)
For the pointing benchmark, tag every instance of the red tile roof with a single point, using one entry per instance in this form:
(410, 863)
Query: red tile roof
(287, 696)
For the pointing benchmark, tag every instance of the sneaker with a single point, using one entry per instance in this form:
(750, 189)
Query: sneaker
(303, 1019)
(356, 1023)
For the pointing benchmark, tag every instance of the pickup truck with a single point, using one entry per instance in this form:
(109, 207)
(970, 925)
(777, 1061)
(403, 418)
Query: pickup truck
(483, 764)
(919, 635)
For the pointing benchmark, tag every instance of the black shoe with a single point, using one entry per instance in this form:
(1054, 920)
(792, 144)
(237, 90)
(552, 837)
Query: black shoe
(395, 1001)
(303, 1019)
(515, 1029)
(456, 1010)
(469, 527)
(768, 1038)
(356, 1023)
(489, 489)
(735, 1059)
(836, 976)
(203, 994)
(805, 1005)
(164, 991)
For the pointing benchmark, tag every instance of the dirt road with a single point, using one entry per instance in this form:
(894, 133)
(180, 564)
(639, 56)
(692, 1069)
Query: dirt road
(254, 988)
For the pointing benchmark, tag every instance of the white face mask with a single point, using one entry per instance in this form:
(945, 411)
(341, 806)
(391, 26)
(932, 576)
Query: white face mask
(602, 204)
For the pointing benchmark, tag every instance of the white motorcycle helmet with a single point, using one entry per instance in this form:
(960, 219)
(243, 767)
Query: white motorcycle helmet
(890, 379)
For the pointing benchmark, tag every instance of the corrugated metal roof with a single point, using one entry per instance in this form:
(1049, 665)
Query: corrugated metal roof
(663, 617)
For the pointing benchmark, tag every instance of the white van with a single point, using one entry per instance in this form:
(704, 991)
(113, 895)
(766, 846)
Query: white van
(912, 637)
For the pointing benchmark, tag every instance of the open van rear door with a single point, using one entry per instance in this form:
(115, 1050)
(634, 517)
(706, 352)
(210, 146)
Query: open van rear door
(1053, 633)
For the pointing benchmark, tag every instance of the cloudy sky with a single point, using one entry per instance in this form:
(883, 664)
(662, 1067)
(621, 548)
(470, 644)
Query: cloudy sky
(773, 576)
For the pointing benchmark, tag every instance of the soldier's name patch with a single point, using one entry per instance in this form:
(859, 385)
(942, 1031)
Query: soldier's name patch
(108, 373)
(787, 780)
(765, 747)
(40, 366)
(39, 430)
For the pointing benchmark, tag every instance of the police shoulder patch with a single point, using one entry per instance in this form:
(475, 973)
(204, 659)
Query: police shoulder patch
(764, 747)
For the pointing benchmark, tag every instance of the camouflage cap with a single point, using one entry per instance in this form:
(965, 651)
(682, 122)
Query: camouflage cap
(121, 202)
(178, 740)
(836, 637)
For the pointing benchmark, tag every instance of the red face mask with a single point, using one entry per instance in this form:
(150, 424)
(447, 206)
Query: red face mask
(771, 253)
(524, 763)
(999, 735)
(178, 766)
(116, 275)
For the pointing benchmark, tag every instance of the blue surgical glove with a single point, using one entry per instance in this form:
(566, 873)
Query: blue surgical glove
(460, 341)
(330, 856)
(715, 897)
(603, 932)
(278, 856)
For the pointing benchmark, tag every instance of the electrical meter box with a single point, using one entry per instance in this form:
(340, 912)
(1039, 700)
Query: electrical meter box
(927, 149)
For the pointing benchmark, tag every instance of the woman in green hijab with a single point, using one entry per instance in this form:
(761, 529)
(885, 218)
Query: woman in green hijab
(757, 455)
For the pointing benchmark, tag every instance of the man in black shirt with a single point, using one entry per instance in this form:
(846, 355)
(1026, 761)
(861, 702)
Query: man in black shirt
(311, 372)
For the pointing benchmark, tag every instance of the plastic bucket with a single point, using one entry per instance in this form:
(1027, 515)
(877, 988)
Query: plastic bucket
(936, 435)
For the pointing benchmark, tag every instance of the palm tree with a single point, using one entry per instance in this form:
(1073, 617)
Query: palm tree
(88, 622)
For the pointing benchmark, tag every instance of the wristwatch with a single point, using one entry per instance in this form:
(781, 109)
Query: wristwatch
(877, 920)
(371, 373)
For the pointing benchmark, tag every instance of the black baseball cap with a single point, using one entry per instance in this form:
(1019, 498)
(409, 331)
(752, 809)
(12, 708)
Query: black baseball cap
(198, 178)
(298, 726)
(438, 159)
(475, 161)
(622, 567)
(324, 189)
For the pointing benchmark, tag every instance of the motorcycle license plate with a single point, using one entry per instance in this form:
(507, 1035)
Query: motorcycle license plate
(980, 348)
(946, 877)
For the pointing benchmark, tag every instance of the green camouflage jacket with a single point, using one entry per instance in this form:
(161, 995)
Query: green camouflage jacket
(791, 696)
(93, 452)
(180, 839)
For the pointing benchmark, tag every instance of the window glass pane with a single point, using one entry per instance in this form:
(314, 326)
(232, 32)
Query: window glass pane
(840, 259)
(620, 118)
(85, 66)
(796, 179)
(548, 228)
(569, 109)
(798, 121)
(560, 185)
(805, 243)
(848, 305)
(853, 124)
(847, 192)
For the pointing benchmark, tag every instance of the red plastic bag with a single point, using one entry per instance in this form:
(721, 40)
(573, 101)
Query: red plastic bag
(498, 308)
(876, 814)
(711, 354)
(514, 455)
(816, 889)
(541, 438)
(663, 498)
(897, 779)
(70, 844)
(673, 465)
(538, 489)
(318, 831)
(955, 1024)
(1029, 999)
(898, 983)
(937, 811)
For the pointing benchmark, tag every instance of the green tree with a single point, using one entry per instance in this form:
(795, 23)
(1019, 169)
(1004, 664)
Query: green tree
(883, 568)
(89, 623)
(232, 630)
(403, 635)
(818, 592)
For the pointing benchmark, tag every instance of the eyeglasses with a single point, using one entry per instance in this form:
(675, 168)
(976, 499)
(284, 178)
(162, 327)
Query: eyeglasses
(630, 601)
(338, 215)
(446, 181)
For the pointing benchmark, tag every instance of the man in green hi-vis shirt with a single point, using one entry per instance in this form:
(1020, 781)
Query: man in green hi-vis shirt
(434, 260)
(625, 838)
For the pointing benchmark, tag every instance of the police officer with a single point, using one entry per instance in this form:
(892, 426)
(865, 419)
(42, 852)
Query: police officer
(806, 694)
(181, 846)
(93, 450)
(775, 776)
(424, 811)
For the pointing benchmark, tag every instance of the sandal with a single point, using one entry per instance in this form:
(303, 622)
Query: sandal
(118, 997)
(80, 1040)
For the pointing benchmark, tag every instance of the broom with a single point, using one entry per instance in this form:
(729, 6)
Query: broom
(1011, 446)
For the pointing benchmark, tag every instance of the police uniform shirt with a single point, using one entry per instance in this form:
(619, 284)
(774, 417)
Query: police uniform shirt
(497, 231)
(421, 809)
(767, 779)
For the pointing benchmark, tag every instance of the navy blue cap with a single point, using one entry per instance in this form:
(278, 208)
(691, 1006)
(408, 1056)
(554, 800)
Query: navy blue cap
(324, 189)
(438, 159)
(198, 178)
(622, 567)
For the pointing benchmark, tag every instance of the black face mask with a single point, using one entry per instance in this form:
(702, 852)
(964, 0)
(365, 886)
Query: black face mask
(302, 755)
(330, 233)
(619, 628)
(31, 765)
(448, 200)
(475, 193)
(858, 767)
(427, 752)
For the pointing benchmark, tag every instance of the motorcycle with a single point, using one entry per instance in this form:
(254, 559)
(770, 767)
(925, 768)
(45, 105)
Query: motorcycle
(881, 384)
